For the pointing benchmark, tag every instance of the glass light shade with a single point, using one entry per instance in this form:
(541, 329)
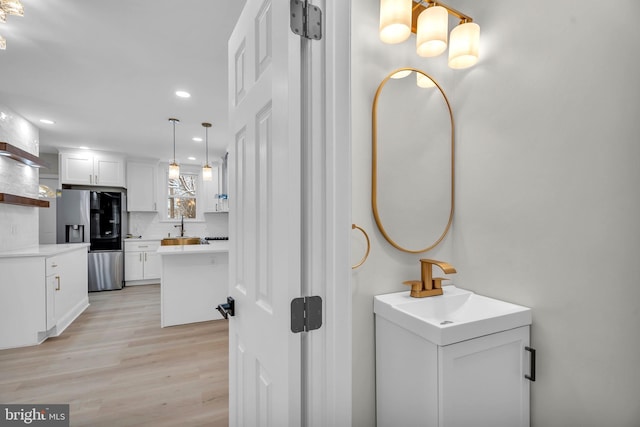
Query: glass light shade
(424, 81)
(174, 171)
(207, 173)
(401, 74)
(395, 20)
(433, 26)
(3, 16)
(463, 45)
(3, 43)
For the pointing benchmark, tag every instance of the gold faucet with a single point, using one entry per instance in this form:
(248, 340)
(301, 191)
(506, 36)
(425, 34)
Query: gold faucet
(429, 286)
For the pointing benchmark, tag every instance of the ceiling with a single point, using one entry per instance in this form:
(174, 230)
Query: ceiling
(106, 73)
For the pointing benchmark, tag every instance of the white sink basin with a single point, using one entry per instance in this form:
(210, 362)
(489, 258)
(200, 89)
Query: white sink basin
(455, 316)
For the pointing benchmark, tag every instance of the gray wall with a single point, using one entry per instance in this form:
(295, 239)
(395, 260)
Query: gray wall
(547, 206)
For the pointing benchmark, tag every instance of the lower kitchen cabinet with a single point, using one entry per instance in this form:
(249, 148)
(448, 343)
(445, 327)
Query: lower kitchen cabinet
(141, 262)
(41, 292)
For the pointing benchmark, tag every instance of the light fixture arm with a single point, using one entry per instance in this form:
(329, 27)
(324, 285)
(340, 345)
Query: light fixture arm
(418, 7)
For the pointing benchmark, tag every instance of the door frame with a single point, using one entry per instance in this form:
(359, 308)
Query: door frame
(326, 187)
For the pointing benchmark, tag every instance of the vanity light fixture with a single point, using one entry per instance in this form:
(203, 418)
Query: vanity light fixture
(9, 7)
(174, 168)
(429, 19)
(207, 172)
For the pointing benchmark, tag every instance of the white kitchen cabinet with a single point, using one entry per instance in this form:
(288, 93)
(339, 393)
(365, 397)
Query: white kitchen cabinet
(141, 187)
(92, 168)
(52, 269)
(141, 262)
(71, 292)
(41, 292)
(479, 382)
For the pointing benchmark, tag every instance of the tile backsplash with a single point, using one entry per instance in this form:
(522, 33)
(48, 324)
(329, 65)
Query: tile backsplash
(149, 226)
(18, 224)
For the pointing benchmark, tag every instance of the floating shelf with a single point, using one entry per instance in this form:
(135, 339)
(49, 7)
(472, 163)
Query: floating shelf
(15, 153)
(22, 201)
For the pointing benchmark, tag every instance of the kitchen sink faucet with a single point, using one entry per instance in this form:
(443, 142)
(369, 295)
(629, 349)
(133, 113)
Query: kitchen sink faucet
(181, 226)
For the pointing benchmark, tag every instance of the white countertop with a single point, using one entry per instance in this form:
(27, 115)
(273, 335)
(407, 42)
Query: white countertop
(214, 246)
(44, 250)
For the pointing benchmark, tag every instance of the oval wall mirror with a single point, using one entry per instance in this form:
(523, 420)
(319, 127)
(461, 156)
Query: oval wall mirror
(412, 174)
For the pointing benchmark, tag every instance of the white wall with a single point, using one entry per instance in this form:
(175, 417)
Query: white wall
(547, 206)
(18, 224)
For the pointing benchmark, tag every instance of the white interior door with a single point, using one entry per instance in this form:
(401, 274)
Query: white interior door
(264, 221)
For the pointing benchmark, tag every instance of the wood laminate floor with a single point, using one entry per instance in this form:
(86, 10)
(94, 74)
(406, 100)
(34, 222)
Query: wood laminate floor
(116, 367)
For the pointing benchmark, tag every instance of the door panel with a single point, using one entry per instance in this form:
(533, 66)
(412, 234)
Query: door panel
(264, 220)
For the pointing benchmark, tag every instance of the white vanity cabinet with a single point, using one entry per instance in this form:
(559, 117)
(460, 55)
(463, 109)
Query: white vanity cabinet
(92, 168)
(141, 262)
(141, 187)
(478, 382)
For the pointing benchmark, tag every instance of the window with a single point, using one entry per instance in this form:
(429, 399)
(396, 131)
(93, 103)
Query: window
(181, 200)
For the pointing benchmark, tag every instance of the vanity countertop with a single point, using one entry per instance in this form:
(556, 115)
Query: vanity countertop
(212, 247)
(43, 250)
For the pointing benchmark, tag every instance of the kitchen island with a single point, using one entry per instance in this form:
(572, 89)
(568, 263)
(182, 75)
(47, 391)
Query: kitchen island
(43, 289)
(194, 280)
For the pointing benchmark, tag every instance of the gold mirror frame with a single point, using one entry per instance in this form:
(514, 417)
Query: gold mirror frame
(374, 164)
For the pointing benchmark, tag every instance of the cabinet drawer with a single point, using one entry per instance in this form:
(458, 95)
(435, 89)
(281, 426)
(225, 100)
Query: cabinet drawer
(53, 265)
(141, 246)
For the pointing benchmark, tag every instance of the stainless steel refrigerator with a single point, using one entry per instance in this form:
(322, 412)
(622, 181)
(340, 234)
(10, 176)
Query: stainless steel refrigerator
(98, 218)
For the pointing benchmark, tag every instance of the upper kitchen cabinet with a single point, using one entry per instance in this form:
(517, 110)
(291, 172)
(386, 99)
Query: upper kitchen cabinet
(91, 168)
(141, 187)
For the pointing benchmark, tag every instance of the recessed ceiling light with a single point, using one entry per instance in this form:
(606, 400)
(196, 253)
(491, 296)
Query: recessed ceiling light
(191, 158)
(183, 94)
(83, 148)
(197, 139)
(47, 121)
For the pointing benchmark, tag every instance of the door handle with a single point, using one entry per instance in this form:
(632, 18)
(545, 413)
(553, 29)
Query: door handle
(58, 280)
(228, 309)
(532, 366)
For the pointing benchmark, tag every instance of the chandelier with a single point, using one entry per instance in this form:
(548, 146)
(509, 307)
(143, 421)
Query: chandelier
(9, 7)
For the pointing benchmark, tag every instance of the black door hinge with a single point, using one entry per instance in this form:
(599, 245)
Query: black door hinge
(306, 19)
(306, 314)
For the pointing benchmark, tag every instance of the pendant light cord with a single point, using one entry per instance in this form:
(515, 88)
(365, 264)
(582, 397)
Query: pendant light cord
(206, 139)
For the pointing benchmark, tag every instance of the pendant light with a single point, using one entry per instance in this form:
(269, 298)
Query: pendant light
(207, 173)
(174, 168)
